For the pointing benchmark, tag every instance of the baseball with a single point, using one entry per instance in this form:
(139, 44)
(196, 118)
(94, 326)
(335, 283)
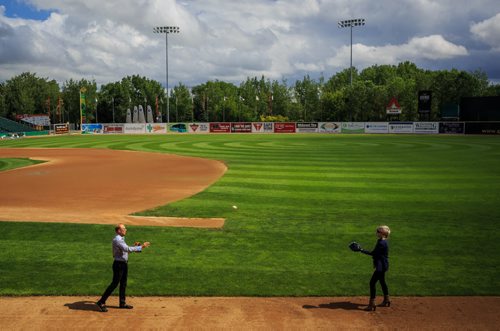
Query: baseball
(235, 207)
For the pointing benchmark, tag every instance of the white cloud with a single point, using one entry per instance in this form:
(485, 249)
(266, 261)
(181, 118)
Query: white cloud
(433, 47)
(488, 31)
(230, 40)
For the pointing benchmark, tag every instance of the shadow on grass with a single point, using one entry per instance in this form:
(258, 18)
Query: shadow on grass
(345, 305)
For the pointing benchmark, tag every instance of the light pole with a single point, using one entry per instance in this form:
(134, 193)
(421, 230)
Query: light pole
(350, 24)
(166, 30)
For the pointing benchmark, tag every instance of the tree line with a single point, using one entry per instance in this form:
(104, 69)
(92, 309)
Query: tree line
(255, 99)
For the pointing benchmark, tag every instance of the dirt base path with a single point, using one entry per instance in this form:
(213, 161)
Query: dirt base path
(450, 313)
(102, 186)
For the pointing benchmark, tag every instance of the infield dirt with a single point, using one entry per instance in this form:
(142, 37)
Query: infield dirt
(103, 186)
(406, 313)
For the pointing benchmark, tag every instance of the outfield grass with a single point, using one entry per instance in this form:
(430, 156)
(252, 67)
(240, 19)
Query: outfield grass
(301, 199)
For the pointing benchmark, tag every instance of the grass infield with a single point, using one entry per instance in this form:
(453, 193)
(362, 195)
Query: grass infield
(13, 163)
(301, 199)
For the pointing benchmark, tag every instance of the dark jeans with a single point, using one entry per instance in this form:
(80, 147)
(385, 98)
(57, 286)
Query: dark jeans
(120, 273)
(378, 276)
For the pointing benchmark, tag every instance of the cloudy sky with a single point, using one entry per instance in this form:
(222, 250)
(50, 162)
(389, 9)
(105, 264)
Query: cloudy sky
(229, 40)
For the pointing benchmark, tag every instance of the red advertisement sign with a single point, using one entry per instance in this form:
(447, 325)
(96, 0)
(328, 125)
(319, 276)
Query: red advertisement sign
(112, 128)
(220, 127)
(284, 127)
(241, 127)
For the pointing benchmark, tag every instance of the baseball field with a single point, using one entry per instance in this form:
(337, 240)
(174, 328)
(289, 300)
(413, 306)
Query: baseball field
(300, 200)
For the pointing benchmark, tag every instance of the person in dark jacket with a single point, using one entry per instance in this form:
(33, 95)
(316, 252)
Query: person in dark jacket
(380, 255)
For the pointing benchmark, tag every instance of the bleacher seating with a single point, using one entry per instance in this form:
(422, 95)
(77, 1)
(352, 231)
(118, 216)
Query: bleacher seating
(7, 125)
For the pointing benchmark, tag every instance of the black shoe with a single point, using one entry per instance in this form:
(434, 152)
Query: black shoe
(102, 307)
(125, 306)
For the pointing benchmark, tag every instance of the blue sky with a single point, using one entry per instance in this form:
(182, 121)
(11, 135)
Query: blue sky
(22, 9)
(232, 40)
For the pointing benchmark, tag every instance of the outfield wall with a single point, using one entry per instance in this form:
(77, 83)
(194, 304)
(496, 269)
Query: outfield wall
(490, 128)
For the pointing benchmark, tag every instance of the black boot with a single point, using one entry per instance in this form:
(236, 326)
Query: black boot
(371, 305)
(386, 302)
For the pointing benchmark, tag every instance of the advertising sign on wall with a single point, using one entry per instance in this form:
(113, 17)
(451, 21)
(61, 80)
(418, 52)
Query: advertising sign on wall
(307, 127)
(241, 127)
(452, 127)
(156, 128)
(178, 127)
(113, 128)
(262, 127)
(284, 127)
(482, 128)
(329, 127)
(134, 128)
(220, 127)
(199, 127)
(426, 127)
(91, 128)
(377, 127)
(353, 127)
(401, 127)
(61, 128)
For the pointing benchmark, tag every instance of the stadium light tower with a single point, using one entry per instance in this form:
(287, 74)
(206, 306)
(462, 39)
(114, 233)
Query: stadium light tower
(166, 30)
(351, 24)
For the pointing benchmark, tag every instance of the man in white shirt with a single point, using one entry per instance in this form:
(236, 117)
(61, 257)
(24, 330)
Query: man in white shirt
(120, 267)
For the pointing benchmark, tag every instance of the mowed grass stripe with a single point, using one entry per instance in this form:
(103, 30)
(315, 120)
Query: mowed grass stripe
(301, 199)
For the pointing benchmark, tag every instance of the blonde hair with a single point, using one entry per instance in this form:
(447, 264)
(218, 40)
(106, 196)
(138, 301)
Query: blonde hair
(384, 231)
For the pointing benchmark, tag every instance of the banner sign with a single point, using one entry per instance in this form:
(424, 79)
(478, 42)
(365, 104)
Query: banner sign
(156, 128)
(83, 106)
(113, 128)
(91, 128)
(400, 127)
(284, 127)
(134, 128)
(307, 127)
(426, 127)
(178, 127)
(220, 127)
(241, 127)
(329, 127)
(199, 127)
(482, 128)
(452, 127)
(262, 127)
(61, 128)
(393, 108)
(377, 127)
(353, 127)
(424, 102)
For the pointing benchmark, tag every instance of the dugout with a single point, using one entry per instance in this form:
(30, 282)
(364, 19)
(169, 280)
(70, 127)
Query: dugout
(480, 109)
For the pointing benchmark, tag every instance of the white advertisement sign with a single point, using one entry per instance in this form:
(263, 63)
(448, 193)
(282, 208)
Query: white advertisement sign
(329, 127)
(156, 128)
(199, 128)
(262, 127)
(306, 127)
(426, 127)
(401, 127)
(377, 127)
(134, 128)
(353, 127)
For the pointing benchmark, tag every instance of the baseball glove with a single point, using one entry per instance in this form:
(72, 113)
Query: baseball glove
(355, 247)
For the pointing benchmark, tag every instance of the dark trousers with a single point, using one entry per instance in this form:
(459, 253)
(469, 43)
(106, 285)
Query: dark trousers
(120, 273)
(378, 276)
